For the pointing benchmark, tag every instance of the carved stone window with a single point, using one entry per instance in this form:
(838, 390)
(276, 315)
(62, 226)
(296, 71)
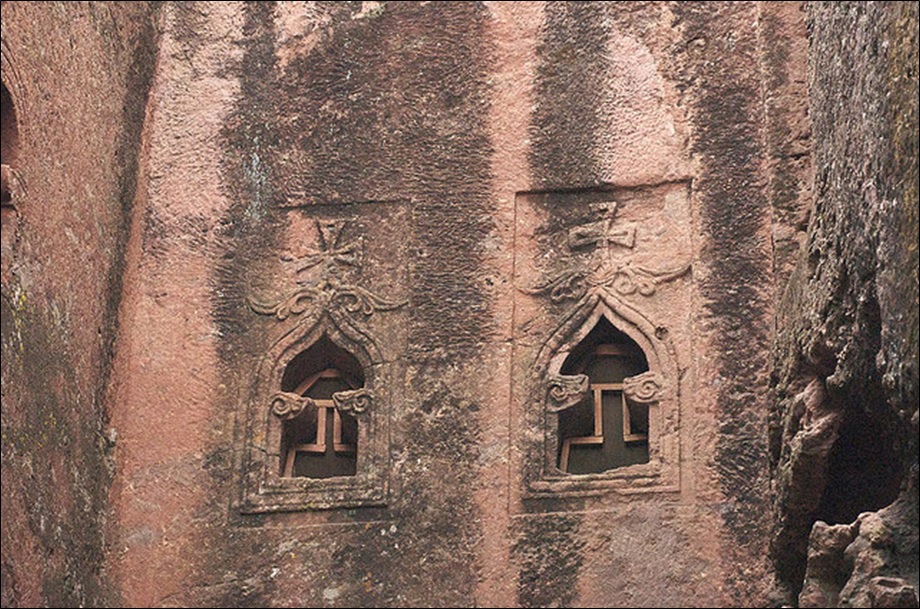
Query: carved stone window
(317, 440)
(319, 437)
(316, 422)
(9, 152)
(610, 406)
(603, 277)
(9, 144)
(608, 429)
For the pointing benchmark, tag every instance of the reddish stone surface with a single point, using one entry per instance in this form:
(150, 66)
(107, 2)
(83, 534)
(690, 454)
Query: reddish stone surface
(844, 433)
(431, 109)
(78, 77)
(453, 193)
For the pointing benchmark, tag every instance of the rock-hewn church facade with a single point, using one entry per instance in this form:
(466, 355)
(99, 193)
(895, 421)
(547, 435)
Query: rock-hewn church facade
(459, 304)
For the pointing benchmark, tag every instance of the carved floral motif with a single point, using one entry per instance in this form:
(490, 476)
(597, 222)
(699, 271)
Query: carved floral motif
(355, 401)
(566, 390)
(625, 279)
(286, 405)
(328, 290)
(617, 274)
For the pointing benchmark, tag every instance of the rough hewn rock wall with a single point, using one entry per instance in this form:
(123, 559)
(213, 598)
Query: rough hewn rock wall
(78, 76)
(844, 432)
(427, 130)
(422, 127)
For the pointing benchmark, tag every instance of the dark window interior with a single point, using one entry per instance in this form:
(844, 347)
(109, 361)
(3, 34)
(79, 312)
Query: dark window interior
(9, 144)
(321, 442)
(607, 356)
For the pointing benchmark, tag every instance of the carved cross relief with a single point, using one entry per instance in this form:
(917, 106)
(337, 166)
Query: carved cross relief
(613, 242)
(329, 290)
(601, 232)
(331, 254)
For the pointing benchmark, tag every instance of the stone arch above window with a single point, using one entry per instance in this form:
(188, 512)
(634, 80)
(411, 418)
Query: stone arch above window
(318, 423)
(609, 391)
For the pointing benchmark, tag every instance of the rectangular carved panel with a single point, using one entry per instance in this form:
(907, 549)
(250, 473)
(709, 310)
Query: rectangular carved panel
(332, 302)
(614, 260)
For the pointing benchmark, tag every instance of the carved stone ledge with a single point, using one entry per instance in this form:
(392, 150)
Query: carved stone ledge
(564, 391)
(354, 402)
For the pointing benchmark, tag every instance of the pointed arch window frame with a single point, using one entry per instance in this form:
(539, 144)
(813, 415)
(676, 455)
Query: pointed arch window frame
(264, 487)
(552, 389)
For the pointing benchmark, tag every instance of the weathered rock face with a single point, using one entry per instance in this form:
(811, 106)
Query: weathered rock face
(77, 78)
(844, 434)
(427, 224)
(865, 564)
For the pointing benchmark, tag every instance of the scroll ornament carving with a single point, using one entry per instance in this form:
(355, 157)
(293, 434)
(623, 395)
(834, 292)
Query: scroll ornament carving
(618, 274)
(625, 279)
(356, 401)
(286, 405)
(328, 290)
(645, 388)
(565, 391)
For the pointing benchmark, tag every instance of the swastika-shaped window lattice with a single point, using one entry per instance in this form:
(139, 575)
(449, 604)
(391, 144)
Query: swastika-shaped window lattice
(321, 441)
(607, 430)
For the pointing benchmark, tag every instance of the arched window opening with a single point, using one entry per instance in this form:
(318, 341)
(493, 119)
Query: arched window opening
(320, 442)
(9, 145)
(9, 188)
(607, 430)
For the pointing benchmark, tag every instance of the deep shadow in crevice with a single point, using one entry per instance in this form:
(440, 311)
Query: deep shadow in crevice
(864, 469)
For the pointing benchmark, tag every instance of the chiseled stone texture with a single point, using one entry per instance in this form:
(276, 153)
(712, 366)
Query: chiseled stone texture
(844, 430)
(265, 117)
(78, 75)
(192, 154)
